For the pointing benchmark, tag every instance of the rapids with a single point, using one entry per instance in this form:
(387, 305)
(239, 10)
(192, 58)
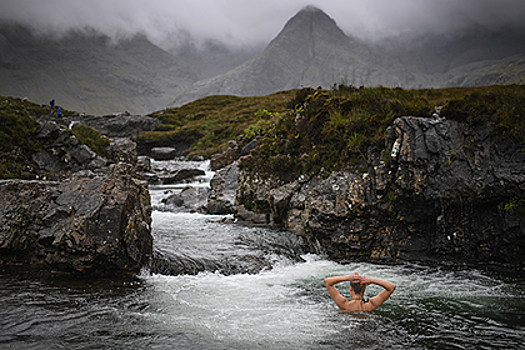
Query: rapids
(254, 288)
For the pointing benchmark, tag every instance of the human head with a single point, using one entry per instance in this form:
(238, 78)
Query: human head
(357, 286)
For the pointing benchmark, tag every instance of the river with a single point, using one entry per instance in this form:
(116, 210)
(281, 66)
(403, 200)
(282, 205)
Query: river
(223, 303)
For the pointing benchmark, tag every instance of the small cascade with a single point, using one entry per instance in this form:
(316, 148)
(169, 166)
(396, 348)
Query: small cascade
(187, 241)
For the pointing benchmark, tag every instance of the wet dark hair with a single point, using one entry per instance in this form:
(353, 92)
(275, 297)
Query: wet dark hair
(356, 287)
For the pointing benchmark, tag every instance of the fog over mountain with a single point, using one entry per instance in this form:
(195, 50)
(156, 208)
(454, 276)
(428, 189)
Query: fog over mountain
(106, 56)
(169, 23)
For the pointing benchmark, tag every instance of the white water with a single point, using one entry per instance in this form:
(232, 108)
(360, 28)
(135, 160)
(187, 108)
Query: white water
(282, 307)
(287, 307)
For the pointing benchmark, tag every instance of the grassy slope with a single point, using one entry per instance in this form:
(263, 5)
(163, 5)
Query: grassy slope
(301, 131)
(209, 123)
(19, 129)
(330, 129)
(334, 129)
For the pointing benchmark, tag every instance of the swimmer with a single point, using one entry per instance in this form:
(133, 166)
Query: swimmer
(357, 291)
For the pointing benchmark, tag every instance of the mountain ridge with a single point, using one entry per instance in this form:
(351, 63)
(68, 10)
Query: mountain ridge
(311, 50)
(91, 73)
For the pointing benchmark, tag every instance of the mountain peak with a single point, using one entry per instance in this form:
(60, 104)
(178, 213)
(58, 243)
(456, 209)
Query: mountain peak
(308, 22)
(310, 8)
(311, 13)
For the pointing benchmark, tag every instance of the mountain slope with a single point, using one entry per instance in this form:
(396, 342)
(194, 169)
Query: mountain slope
(438, 53)
(311, 50)
(89, 73)
(510, 70)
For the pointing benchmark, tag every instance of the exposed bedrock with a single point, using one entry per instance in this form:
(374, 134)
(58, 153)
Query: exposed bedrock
(89, 223)
(439, 190)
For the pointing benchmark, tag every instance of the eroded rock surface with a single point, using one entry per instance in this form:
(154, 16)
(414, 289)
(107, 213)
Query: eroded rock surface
(88, 223)
(437, 191)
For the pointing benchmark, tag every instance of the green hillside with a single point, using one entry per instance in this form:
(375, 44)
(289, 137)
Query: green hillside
(299, 131)
(206, 125)
(334, 129)
(304, 131)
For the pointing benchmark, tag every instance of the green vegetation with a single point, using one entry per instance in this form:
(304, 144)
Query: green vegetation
(334, 129)
(300, 131)
(92, 138)
(17, 137)
(209, 123)
(515, 202)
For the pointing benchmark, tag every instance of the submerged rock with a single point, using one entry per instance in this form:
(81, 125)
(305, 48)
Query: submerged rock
(92, 224)
(192, 199)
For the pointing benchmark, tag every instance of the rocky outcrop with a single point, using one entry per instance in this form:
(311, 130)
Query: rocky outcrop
(112, 126)
(62, 153)
(89, 223)
(121, 125)
(163, 153)
(437, 191)
(232, 154)
(122, 150)
(222, 193)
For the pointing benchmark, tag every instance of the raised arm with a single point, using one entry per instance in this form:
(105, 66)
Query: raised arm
(379, 299)
(330, 283)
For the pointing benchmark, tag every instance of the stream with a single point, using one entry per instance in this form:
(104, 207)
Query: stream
(253, 288)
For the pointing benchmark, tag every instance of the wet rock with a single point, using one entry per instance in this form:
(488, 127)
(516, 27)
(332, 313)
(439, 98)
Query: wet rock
(219, 161)
(163, 153)
(190, 199)
(89, 223)
(181, 176)
(439, 191)
(143, 164)
(82, 154)
(250, 217)
(222, 193)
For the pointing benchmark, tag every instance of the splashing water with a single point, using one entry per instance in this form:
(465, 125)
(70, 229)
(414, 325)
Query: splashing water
(252, 288)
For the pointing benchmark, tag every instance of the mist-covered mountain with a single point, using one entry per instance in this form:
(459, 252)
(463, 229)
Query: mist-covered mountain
(311, 50)
(91, 73)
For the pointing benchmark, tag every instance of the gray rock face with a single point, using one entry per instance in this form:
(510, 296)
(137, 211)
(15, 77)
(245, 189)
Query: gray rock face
(92, 224)
(163, 153)
(441, 195)
(121, 126)
(223, 187)
(123, 150)
(63, 154)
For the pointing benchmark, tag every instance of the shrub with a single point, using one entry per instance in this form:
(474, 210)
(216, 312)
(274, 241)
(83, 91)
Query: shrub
(92, 138)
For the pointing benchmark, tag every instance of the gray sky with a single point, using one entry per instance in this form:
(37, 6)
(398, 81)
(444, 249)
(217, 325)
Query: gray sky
(241, 22)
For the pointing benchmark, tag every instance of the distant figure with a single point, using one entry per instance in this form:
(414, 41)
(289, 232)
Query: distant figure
(59, 111)
(357, 291)
(52, 103)
(26, 99)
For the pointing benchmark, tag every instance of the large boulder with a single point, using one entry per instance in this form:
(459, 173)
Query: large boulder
(439, 190)
(92, 224)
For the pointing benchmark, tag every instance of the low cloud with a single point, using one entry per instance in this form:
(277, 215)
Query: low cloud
(241, 22)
